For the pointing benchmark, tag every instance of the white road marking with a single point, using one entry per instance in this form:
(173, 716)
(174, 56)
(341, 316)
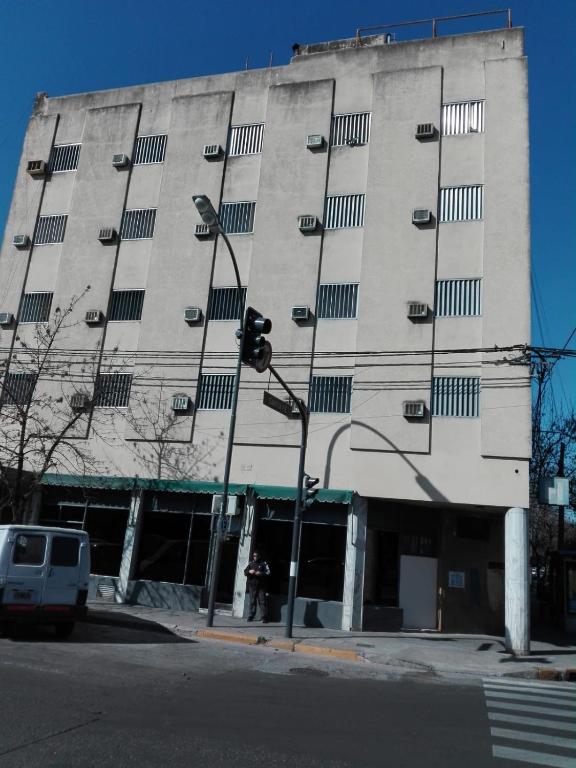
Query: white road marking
(536, 710)
(534, 691)
(520, 696)
(535, 738)
(536, 758)
(559, 686)
(551, 725)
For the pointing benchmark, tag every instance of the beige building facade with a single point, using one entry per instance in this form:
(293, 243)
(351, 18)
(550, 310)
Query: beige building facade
(409, 164)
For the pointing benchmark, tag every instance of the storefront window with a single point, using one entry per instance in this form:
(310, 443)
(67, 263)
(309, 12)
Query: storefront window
(163, 546)
(199, 547)
(571, 587)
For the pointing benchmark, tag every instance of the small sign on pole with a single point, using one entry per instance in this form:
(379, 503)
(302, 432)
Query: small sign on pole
(282, 406)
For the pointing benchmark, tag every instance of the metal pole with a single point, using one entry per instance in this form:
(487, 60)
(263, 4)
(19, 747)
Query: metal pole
(561, 506)
(295, 552)
(221, 523)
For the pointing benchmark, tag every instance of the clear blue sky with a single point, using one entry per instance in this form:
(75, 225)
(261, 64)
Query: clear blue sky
(70, 46)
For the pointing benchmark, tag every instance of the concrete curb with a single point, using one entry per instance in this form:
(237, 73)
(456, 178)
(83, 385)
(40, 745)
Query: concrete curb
(334, 653)
(229, 637)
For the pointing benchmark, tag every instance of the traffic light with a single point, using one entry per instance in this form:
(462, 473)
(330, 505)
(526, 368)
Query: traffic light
(256, 349)
(308, 490)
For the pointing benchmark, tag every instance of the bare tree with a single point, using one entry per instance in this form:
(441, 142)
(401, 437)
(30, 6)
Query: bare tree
(39, 428)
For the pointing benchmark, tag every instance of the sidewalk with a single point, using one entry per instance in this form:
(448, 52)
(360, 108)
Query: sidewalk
(432, 652)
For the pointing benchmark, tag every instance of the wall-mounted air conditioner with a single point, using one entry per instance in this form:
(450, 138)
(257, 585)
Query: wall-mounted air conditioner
(21, 241)
(414, 409)
(417, 310)
(36, 168)
(79, 401)
(421, 216)
(180, 403)
(107, 235)
(6, 318)
(192, 314)
(300, 313)
(202, 230)
(93, 317)
(307, 223)
(315, 141)
(212, 151)
(425, 131)
(120, 160)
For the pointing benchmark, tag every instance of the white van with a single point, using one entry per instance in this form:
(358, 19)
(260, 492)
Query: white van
(44, 575)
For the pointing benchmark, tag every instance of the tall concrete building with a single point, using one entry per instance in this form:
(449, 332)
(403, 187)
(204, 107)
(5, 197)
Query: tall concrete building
(376, 195)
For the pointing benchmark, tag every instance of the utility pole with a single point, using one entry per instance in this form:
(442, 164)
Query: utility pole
(561, 506)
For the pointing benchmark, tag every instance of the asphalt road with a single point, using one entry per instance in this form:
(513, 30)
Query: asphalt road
(115, 696)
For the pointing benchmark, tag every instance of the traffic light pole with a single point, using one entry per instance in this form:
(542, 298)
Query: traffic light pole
(220, 532)
(297, 524)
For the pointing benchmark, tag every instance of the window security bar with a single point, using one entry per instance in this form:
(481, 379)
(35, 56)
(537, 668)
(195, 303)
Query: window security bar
(215, 391)
(64, 157)
(350, 129)
(18, 389)
(337, 301)
(126, 305)
(237, 218)
(138, 224)
(149, 149)
(462, 203)
(112, 390)
(454, 396)
(343, 211)
(458, 298)
(36, 308)
(246, 139)
(50, 229)
(330, 394)
(224, 305)
(462, 117)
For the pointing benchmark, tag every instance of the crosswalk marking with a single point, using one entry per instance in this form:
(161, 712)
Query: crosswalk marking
(550, 708)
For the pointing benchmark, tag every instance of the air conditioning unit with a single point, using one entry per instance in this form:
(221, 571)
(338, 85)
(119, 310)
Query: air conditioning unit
(421, 216)
(192, 314)
(414, 409)
(202, 230)
(6, 318)
(307, 223)
(36, 168)
(93, 316)
(107, 235)
(417, 311)
(21, 241)
(315, 141)
(180, 403)
(300, 313)
(211, 151)
(233, 508)
(120, 161)
(79, 401)
(425, 131)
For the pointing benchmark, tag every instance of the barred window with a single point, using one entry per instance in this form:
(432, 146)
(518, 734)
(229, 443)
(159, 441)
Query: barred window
(455, 298)
(224, 305)
(237, 218)
(344, 211)
(462, 203)
(18, 389)
(36, 307)
(454, 396)
(337, 300)
(149, 149)
(330, 394)
(64, 157)
(138, 224)
(215, 391)
(112, 390)
(353, 128)
(462, 117)
(50, 229)
(126, 305)
(246, 139)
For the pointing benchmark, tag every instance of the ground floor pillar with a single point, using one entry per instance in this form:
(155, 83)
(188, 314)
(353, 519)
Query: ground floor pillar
(517, 581)
(354, 566)
(244, 547)
(129, 552)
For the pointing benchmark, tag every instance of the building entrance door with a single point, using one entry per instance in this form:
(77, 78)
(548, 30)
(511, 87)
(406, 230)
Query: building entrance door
(418, 591)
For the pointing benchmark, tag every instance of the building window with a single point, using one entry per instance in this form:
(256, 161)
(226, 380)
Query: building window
(126, 305)
(462, 117)
(237, 218)
(454, 396)
(138, 224)
(462, 203)
(50, 229)
(330, 394)
(18, 389)
(350, 129)
(149, 149)
(215, 391)
(112, 390)
(344, 211)
(64, 157)
(246, 139)
(457, 298)
(224, 305)
(337, 300)
(35, 308)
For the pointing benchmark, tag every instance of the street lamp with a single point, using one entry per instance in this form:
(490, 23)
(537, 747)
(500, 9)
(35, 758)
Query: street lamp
(210, 218)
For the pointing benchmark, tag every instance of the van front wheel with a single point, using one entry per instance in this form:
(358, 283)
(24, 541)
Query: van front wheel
(64, 630)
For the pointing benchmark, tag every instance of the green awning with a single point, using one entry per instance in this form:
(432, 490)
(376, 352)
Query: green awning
(288, 493)
(148, 484)
(103, 482)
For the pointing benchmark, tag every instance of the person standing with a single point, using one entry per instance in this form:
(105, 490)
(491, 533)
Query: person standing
(257, 572)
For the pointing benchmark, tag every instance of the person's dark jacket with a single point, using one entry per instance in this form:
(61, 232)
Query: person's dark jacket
(262, 572)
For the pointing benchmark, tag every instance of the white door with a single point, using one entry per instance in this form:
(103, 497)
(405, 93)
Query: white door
(418, 591)
(63, 570)
(25, 575)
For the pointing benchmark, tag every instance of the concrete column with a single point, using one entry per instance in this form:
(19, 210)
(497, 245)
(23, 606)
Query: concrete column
(517, 581)
(353, 597)
(130, 551)
(33, 511)
(244, 547)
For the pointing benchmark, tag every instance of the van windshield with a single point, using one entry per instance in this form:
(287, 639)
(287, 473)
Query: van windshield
(29, 549)
(65, 550)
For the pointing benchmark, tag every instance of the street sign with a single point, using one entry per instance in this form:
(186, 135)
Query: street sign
(282, 406)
